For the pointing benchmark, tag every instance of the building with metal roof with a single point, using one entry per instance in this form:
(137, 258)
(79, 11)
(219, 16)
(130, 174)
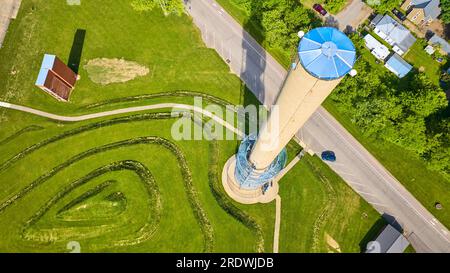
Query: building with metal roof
(390, 240)
(398, 66)
(56, 78)
(377, 49)
(395, 34)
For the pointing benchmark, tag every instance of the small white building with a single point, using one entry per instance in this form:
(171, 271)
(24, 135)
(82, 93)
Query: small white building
(377, 49)
(429, 49)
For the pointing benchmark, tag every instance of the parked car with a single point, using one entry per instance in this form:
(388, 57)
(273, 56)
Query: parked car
(320, 9)
(328, 156)
(399, 14)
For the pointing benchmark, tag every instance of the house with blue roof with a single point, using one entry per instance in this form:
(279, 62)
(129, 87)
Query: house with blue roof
(398, 66)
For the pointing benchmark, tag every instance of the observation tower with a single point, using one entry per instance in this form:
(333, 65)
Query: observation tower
(325, 56)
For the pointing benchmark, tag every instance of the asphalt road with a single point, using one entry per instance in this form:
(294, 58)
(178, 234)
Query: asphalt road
(8, 11)
(264, 76)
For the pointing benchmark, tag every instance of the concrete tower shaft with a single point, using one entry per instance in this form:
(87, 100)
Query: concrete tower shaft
(326, 55)
(309, 93)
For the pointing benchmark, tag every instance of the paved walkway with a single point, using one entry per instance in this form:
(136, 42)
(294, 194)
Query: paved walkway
(276, 232)
(122, 111)
(8, 11)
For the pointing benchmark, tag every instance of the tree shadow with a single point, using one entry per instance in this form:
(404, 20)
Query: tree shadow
(253, 60)
(253, 65)
(447, 31)
(330, 21)
(77, 50)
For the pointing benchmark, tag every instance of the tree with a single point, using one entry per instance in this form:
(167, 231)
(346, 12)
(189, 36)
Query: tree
(383, 6)
(445, 11)
(406, 112)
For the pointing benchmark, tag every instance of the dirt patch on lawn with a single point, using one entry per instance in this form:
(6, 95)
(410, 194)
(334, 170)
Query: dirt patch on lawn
(332, 243)
(106, 71)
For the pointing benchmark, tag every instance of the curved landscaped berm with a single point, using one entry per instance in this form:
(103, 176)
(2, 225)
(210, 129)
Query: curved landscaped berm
(100, 213)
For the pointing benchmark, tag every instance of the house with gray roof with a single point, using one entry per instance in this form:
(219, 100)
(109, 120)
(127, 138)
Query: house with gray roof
(436, 40)
(422, 12)
(395, 34)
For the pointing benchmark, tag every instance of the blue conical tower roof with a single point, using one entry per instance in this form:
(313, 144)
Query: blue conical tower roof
(327, 53)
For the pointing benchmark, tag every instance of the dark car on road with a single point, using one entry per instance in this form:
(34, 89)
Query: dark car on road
(399, 14)
(328, 156)
(320, 9)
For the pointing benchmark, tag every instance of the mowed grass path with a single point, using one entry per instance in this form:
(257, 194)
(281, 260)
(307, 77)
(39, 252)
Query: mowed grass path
(172, 49)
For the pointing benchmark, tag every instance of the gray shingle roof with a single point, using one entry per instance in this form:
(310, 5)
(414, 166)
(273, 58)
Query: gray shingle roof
(430, 7)
(440, 41)
(397, 32)
(391, 241)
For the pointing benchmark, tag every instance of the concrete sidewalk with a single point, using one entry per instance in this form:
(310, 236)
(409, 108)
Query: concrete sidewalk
(8, 11)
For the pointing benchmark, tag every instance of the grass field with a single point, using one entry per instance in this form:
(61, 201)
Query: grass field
(427, 186)
(325, 213)
(122, 184)
(422, 61)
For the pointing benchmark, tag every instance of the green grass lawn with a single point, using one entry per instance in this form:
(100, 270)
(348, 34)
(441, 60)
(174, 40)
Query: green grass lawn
(336, 212)
(188, 65)
(422, 61)
(113, 184)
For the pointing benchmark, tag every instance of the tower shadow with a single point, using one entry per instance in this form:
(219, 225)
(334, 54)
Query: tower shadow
(253, 62)
(77, 50)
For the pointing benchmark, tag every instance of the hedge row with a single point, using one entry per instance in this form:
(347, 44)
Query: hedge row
(215, 185)
(199, 212)
(145, 176)
(92, 192)
(192, 196)
(22, 131)
(169, 94)
(82, 129)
